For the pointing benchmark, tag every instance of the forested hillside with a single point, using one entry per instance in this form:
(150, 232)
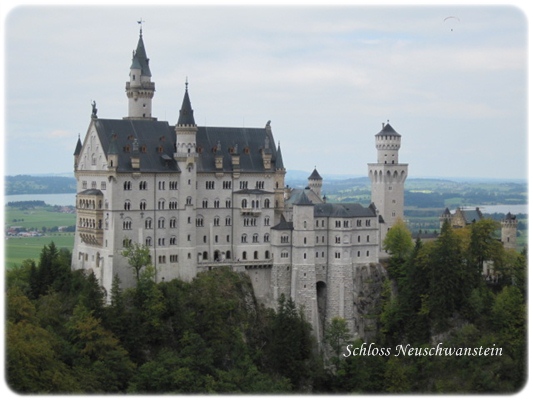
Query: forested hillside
(211, 336)
(26, 184)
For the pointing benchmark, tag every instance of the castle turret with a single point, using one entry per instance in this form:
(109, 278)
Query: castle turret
(279, 189)
(186, 158)
(509, 231)
(315, 182)
(140, 88)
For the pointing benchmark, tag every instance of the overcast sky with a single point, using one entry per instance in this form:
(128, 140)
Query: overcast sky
(327, 78)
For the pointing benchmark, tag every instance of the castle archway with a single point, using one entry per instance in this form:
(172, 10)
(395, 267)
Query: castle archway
(321, 298)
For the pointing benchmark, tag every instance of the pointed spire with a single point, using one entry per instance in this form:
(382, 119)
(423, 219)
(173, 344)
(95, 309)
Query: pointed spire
(186, 112)
(279, 158)
(315, 175)
(77, 151)
(140, 60)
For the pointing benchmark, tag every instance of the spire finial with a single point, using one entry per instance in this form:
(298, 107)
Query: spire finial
(186, 83)
(140, 22)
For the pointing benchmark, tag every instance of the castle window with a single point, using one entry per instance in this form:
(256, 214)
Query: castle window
(305, 240)
(216, 204)
(126, 242)
(368, 238)
(228, 221)
(368, 222)
(216, 221)
(305, 257)
(255, 238)
(127, 185)
(256, 255)
(127, 205)
(205, 203)
(173, 222)
(244, 203)
(161, 241)
(199, 221)
(189, 201)
(142, 185)
(228, 203)
(162, 259)
(337, 239)
(148, 241)
(205, 239)
(266, 238)
(84, 184)
(337, 224)
(243, 238)
(148, 223)
(285, 239)
(359, 222)
(173, 240)
(267, 221)
(367, 253)
(267, 255)
(244, 255)
(161, 223)
(142, 206)
(267, 203)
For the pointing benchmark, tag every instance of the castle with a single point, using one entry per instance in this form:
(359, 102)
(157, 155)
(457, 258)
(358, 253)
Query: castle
(202, 197)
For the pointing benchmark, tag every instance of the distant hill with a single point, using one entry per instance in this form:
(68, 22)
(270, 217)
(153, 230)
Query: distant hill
(29, 184)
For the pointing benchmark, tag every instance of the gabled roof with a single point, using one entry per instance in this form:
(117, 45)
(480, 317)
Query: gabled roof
(249, 141)
(155, 139)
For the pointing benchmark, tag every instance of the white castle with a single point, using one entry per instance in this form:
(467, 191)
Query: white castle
(204, 197)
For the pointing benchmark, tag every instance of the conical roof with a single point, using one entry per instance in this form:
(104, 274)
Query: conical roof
(315, 175)
(186, 113)
(140, 60)
(279, 158)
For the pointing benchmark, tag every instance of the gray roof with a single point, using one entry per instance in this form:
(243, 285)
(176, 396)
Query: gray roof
(343, 210)
(315, 175)
(279, 158)
(301, 199)
(186, 113)
(140, 60)
(284, 225)
(249, 141)
(91, 192)
(77, 150)
(388, 131)
(472, 215)
(156, 140)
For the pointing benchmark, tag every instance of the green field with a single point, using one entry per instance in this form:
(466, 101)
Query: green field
(37, 218)
(18, 249)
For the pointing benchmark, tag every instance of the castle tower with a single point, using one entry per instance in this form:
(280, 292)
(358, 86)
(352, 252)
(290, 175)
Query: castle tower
(140, 89)
(315, 182)
(509, 230)
(303, 279)
(279, 189)
(186, 157)
(387, 178)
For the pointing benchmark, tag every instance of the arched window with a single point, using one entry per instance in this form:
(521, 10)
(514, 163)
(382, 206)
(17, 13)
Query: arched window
(244, 203)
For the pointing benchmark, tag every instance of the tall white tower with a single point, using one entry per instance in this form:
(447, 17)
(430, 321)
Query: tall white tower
(140, 88)
(387, 177)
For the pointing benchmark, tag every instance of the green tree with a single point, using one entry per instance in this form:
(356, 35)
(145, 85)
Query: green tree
(290, 347)
(449, 287)
(138, 256)
(336, 335)
(399, 244)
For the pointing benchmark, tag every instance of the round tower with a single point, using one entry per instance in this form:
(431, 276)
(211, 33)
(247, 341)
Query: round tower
(509, 231)
(140, 88)
(387, 177)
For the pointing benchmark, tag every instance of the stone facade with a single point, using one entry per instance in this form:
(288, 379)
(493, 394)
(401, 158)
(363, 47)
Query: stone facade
(202, 197)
